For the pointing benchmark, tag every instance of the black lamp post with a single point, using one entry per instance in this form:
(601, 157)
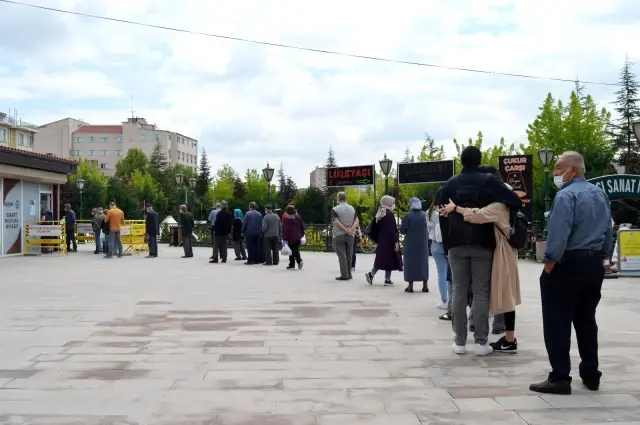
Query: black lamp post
(80, 185)
(188, 184)
(385, 166)
(546, 158)
(267, 173)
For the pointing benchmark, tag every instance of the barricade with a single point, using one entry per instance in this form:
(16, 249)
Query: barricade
(45, 234)
(84, 231)
(132, 235)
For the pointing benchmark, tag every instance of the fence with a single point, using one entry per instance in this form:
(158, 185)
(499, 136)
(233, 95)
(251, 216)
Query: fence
(132, 235)
(46, 236)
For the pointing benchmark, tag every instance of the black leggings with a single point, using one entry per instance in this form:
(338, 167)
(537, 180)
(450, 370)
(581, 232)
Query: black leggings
(510, 321)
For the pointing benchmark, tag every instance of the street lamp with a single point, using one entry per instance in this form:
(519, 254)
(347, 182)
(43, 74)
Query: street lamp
(267, 173)
(636, 130)
(80, 184)
(546, 158)
(385, 166)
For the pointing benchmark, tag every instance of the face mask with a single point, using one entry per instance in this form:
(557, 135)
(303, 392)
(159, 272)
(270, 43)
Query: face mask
(558, 180)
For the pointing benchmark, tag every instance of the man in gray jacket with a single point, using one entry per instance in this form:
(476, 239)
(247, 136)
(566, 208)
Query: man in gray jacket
(272, 233)
(96, 224)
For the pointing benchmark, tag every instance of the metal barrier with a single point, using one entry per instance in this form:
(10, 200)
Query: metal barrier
(45, 235)
(132, 235)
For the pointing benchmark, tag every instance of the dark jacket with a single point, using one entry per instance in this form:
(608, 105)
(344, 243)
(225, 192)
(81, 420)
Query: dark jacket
(237, 229)
(292, 228)
(70, 220)
(473, 189)
(223, 223)
(188, 223)
(387, 258)
(152, 223)
(252, 224)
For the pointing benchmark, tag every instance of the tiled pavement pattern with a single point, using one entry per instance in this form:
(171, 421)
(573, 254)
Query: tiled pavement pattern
(166, 341)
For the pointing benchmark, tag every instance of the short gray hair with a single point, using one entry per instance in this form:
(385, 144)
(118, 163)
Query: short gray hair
(342, 197)
(252, 205)
(100, 210)
(574, 158)
(183, 207)
(218, 205)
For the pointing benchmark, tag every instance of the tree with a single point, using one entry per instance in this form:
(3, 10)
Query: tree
(134, 160)
(125, 197)
(429, 151)
(239, 189)
(94, 192)
(331, 159)
(309, 204)
(158, 166)
(627, 105)
(204, 176)
(282, 179)
(147, 190)
(289, 191)
(256, 187)
(407, 155)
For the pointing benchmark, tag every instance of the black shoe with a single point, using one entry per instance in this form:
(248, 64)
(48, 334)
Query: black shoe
(249, 264)
(210, 261)
(409, 289)
(224, 260)
(342, 278)
(96, 252)
(350, 277)
(472, 328)
(591, 384)
(497, 331)
(388, 283)
(239, 259)
(552, 387)
(369, 277)
(244, 258)
(504, 346)
(425, 287)
(290, 267)
(446, 317)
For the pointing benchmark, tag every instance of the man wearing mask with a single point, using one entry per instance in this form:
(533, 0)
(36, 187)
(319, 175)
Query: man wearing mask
(152, 229)
(188, 225)
(221, 230)
(96, 224)
(272, 234)
(70, 223)
(212, 221)
(470, 246)
(252, 230)
(580, 239)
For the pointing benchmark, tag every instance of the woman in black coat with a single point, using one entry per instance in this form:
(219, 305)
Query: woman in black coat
(385, 233)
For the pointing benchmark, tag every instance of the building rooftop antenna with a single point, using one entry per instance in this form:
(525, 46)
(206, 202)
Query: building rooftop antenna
(133, 112)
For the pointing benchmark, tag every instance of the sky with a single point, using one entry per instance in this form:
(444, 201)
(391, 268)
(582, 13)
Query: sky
(250, 104)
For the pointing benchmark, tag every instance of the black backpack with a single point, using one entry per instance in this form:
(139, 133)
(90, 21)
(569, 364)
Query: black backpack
(519, 230)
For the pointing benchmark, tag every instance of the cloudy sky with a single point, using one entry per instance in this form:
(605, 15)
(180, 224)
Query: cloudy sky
(249, 104)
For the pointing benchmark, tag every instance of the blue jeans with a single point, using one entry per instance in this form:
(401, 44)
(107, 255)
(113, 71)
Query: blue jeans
(96, 236)
(437, 250)
(387, 273)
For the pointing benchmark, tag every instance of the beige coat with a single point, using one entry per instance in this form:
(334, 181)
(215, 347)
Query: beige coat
(505, 282)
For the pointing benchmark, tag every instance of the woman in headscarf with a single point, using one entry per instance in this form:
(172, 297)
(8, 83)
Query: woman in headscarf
(416, 246)
(238, 245)
(292, 233)
(385, 233)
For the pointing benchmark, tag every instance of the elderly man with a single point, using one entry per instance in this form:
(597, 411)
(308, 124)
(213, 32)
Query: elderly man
(212, 221)
(252, 231)
(345, 223)
(96, 225)
(221, 229)
(579, 240)
(188, 225)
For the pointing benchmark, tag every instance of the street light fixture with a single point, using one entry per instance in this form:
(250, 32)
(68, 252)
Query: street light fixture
(179, 179)
(385, 166)
(80, 185)
(192, 183)
(546, 158)
(267, 173)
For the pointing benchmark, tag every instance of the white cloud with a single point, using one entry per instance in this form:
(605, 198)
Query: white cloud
(249, 103)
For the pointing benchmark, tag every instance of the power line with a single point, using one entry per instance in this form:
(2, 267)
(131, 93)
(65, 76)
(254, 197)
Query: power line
(307, 49)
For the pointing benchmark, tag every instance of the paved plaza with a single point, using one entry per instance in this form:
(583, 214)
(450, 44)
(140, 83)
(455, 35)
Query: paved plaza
(89, 341)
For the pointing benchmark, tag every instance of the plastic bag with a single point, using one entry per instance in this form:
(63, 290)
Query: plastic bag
(286, 251)
(303, 241)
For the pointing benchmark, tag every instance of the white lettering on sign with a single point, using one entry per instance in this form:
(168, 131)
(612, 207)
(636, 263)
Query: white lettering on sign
(515, 164)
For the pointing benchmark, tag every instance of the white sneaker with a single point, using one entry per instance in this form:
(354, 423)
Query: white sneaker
(442, 306)
(459, 349)
(483, 350)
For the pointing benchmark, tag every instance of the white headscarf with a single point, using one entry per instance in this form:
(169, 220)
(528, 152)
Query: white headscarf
(386, 204)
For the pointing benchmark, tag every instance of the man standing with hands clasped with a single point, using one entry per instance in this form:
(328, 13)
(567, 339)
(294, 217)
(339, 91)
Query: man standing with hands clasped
(580, 239)
(345, 223)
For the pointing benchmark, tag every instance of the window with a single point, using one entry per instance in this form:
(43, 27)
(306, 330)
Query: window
(104, 139)
(117, 153)
(92, 139)
(92, 153)
(21, 139)
(3, 135)
(103, 153)
(143, 138)
(156, 138)
(28, 140)
(77, 153)
(106, 166)
(77, 139)
(118, 139)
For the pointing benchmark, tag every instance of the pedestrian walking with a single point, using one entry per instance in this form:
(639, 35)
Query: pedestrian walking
(212, 221)
(580, 238)
(385, 233)
(292, 234)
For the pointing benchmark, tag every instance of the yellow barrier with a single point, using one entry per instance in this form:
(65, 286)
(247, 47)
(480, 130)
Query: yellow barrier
(45, 234)
(132, 234)
(84, 231)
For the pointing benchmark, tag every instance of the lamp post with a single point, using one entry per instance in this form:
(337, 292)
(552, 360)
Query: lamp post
(267, 173)
(546, 158)
(188, 184)
(80, 185)
(385, 166)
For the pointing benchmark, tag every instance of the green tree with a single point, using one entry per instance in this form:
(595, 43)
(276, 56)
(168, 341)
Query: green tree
(147, 190)
(158, 166)
(309, 204)
(94, 192)
(204, 176)
(288, 191)
(407, 155)
(134, 160)
(627, 106)
(429, 151)
(256, 187)
(125, 197)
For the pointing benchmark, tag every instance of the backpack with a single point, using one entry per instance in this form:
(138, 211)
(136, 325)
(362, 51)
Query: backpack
(519, 229)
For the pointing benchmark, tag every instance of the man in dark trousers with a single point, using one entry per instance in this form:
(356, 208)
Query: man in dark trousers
(580, 239)
(152, 228)
(252, 231)
(272, 234)
(221, 230)
(188, 225)
(470, 246)
(70, 225)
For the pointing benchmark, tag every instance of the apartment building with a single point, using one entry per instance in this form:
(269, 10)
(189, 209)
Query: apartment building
(318, 178)
(105, 145)
(56, 138)
(16, 133)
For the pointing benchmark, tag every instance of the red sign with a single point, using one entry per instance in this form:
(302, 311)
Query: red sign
(361, 175)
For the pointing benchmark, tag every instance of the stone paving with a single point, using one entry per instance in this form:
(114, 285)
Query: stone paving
(90, 341)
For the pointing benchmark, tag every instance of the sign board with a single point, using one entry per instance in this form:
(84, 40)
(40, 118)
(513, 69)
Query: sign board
(125, 230)
(11, 217)
(426, 172)
(618, 186)
(37, 231)
(517, 172)
(84, 228)
(357, 175)
(629, 252)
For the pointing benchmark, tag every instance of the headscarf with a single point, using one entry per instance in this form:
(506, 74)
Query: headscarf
(238, 213)
(386, 204)
(415, 204)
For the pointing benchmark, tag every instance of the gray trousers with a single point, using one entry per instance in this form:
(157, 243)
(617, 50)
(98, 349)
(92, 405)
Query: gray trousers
(470, 264)
(187, 245)
(343, 245)
(115, 243)
(238, 247)
(498, 322)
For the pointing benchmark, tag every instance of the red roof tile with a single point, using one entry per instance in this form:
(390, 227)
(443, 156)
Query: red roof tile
(99, 129)
(51, 157)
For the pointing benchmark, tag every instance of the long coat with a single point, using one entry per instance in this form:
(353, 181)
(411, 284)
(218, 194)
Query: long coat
(505, 281)
(416, 246)
(387, 235)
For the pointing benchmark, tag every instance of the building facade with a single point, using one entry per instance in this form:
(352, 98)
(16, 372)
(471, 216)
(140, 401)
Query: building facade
(17, 134)
(105, 145)
(318, 178)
